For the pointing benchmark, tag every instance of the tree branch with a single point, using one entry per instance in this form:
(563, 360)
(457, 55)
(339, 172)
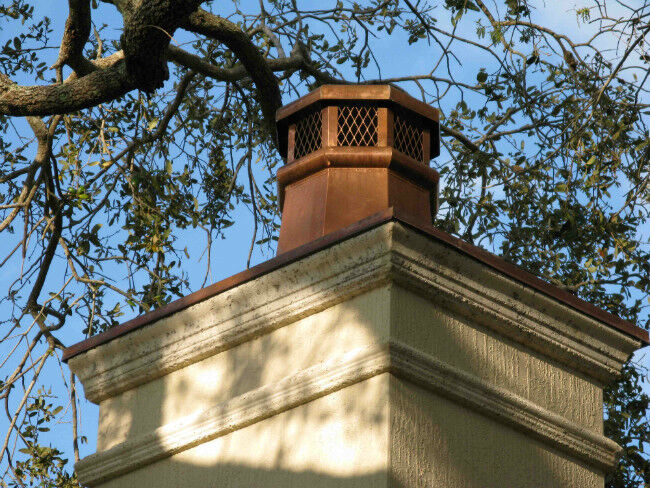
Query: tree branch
(75, 36)
(236, 73)
(266, 84)
(147, 33)
(100, 86)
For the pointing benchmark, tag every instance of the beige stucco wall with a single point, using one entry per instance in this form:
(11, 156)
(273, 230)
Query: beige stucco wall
(381, 432)
(362, 321)
(338, 440)
(437, 443)
(359, 322)
(460, 342)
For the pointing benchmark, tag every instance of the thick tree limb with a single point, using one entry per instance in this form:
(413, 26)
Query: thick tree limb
(145, 50)
(266, 84)
(75, 36)
(147, 34)
(109, 81)
(97, 87)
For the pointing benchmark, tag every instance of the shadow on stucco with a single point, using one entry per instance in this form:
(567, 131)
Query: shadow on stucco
(349, 438)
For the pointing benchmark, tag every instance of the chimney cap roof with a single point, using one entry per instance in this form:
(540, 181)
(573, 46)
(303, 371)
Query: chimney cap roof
(386, 95)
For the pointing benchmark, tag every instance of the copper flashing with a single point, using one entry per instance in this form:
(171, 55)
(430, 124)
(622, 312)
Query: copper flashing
(387, 215)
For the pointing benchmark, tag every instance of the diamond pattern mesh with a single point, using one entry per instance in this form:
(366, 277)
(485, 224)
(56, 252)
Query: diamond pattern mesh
(357, 125)
(308, 134)
(408, 137)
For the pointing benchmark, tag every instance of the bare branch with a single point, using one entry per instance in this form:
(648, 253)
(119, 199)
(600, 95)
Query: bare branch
(75, 36)
(266, 84)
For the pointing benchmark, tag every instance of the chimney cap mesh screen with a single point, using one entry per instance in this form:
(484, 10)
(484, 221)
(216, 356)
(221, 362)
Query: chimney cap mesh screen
(357, 125)
(308, 134)
(408, 137)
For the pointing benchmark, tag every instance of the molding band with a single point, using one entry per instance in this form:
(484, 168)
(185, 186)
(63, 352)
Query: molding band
(389, 253)
(232, 318)
(503, 406)
(320, 380)
(494, 312)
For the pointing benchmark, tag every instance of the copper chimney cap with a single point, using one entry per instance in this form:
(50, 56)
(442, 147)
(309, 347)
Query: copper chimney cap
(352, 151)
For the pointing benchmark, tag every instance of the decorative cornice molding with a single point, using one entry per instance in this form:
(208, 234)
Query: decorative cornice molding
(325, 378)
(227, 320)
(509, 308)
(503, 406)
(389, 253)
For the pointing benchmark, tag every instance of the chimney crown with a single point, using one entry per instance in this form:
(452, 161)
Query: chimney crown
(352, 151)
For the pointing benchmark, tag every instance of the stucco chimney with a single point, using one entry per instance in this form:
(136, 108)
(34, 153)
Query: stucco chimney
(373, 351)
